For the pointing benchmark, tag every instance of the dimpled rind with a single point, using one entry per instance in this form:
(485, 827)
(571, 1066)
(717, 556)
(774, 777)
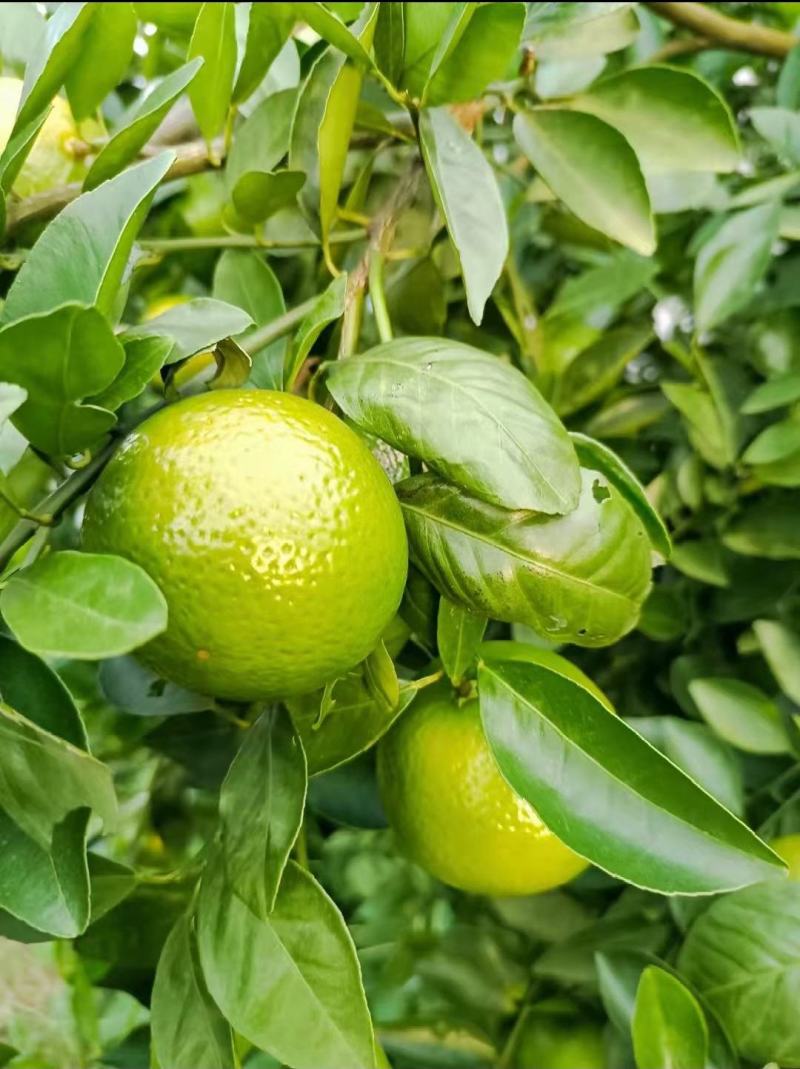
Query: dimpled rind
(453, 812)
(272, 531)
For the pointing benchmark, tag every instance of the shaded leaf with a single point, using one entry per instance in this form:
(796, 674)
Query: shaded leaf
(767, 527)
(144, 357)
(31, 687)
(741, 714)
(194, 326)
(669, 1030)
(327, 310)
(597, 368)
(458, 636)
(477, 55)
(136, 690)
(781, 648)
(268, 28)
(105, 52)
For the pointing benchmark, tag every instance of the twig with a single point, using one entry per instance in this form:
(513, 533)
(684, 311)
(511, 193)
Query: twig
(277, 328)
(680, 46)
(726, 32)
(246, 241)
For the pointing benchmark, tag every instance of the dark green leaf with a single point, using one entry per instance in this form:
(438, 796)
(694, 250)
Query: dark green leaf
(767, 528)
(597, 368)
(261, 807)
(245, 279)
(702, 559)
(136, 690)
(607, 793)
(102, 62)
(258, 194)
(144, 357)
(470, 417)
(576, 578)
(31, 687)
(473, 55)
(458, 635)
(214, 39)
(466, 192)
(83, 605)
(669, 1030)
(327, 310)
(262, 140)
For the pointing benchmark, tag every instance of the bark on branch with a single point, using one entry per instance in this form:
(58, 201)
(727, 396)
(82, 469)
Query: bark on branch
(724, 32)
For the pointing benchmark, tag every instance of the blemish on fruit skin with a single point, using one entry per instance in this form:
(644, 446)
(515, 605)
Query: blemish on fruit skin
(203, 655)
(599, 492)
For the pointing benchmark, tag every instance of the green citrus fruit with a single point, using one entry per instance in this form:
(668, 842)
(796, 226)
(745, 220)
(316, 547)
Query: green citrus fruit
(271, 530)
(452, 810)
(788, 847)
(51, 161)
(559, 1039)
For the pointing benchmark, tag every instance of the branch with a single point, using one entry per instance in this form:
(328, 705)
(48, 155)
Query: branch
(726, 32)
(191, 158)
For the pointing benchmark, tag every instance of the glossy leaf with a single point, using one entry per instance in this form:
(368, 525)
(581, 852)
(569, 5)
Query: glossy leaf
(261, 808)
(77, 356)
(474, 55)
(669, 1030)
(611, 195)
(470, 417)
(607, 793)
(328, 308)
(31, 687)
(730, 265)
(781, 648)
(194, 326)
(671, 118)
(289, 984)
(598, 457)
(83, 605)
(83, 253)
(102, 62)
(144, 357)
(268, 28)
(595, 369)
(741, 714)
(743, 956)
(458, 636)
(198, 1034)
(140, 124)
(466, 192)
(577, 578)
(214, 39)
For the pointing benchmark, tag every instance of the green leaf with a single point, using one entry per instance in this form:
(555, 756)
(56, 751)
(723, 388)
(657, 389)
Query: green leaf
(55, 53)
(136, 690)
(261, 807)
(781, 128)
(12, 397)
(194, 326)
(611, 195)
(31, 757)
(730, 265)
(268, 29)
(604, 288)
(143, 358)
(140, 123)
(262, 140)
(459, 633)
(258, 194)
(289, 984)
(101, 64)
(214, 39)
(607, 793)
(469, 416)
(327, 310)
(743, 956)
(77, 355)
(672, 119)
(16, 152)
(83, 605)
(787, 90)
(628, 416)
(31, 687)
(775, 393)
(83, 253)
(245, 279)
(669, 1029)
(380, 678)
(390, 40)
(767, 527)
(476, 54)
(577, 578)
(188, 1030)
(580, 29)
(599, 457)
(466, 191)
(598, 367)
(702, 559)
(329, 26)
(741, 714)
(781, 648)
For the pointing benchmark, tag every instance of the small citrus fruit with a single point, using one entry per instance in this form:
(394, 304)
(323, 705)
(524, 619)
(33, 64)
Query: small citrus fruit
(452, 810)
(559, 1039)
(788, 847)
(271, 530)
(51, 161)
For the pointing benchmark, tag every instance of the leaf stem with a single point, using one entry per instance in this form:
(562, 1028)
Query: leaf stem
(277, 328)
(246, 241)
(377, 295)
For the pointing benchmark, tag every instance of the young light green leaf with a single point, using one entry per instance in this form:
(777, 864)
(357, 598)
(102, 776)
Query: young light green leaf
(327, 310)
(775, 393)
(83, 605)
(580, 29)
(268, 29)
(475, 53)
(289, 984)
(329, 26)
(77, 356)
(593, 454)
(597, 368)
(140, 124)
(103, 59)
(258, 194)
(54, 55)
(730, 265)
(607, 793)
(741, 714)
(577, 578)
(83, 253)
(781, 648)
(672, 119)
(261, 807)
(702, 559)
(470, 417)
(194, 326)
(458, 635)
(611, 196)
(198, 1035)
(262, 140)
(144, 357)
(29, 685)
(466, 191)
(13, 156)
(245, 279)
(214, 39)
(742, 954)
(669, 1029)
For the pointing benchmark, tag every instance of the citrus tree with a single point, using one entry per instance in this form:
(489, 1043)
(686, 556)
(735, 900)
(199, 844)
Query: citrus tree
(399, 535)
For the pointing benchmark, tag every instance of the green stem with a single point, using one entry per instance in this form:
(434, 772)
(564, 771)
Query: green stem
(277, 328)
(246, 241)
(353, 315)
(378, 297)
(23, 513)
